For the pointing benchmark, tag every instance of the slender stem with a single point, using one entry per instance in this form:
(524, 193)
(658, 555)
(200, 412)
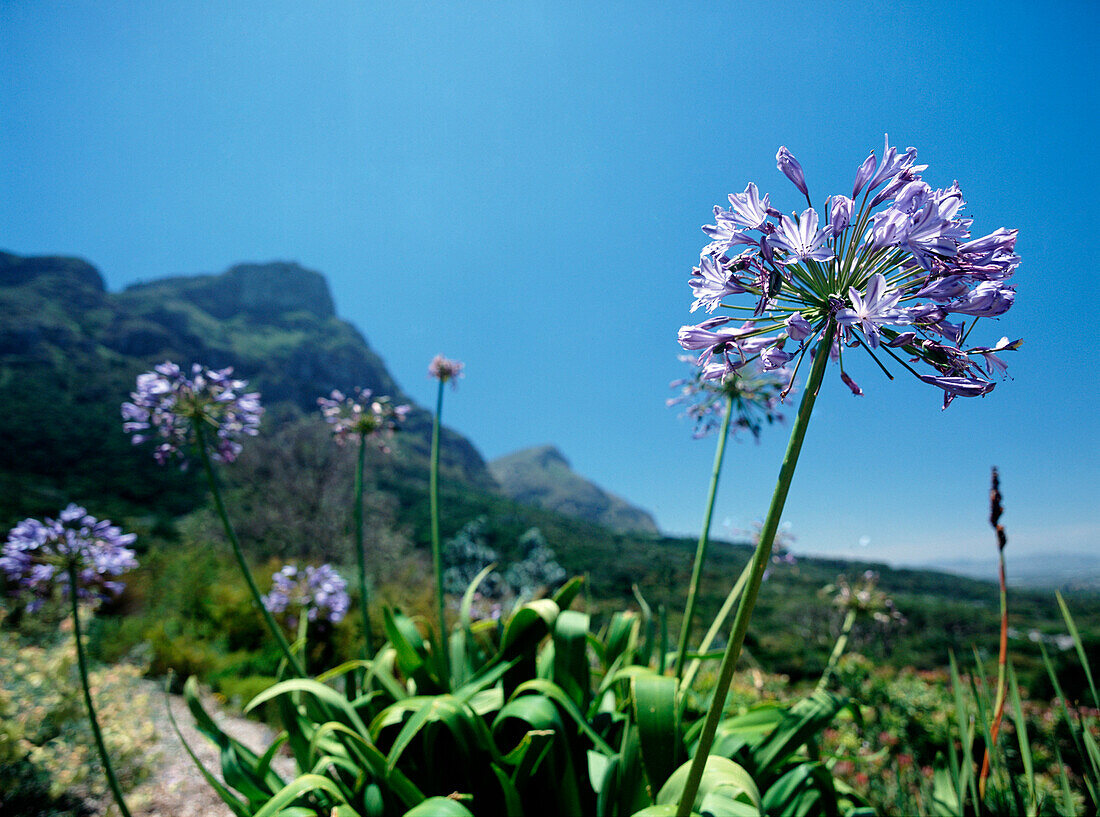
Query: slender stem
(112, 781)
(712, 633)
(360, 551)
(759, 564)
(1002, 661)
(437, 554)
(257, 599)
(838, 649)
(704, 536)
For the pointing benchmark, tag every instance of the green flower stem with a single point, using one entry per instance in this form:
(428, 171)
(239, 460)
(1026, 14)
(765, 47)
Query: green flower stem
(257, 599)
(360, 551)
(303, 632)
(712, 634)
(112, 781)
(838, 649)
(437, 553)
(759, 565)
(704, 537)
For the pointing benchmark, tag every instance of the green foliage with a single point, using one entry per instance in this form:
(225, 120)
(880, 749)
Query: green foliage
(48, 764)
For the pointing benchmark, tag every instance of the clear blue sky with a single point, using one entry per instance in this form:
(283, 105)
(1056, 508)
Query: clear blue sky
(520, 185)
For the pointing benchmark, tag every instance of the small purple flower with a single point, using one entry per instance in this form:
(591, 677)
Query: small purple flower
(863, 175)
(168, 406)
(791, 169)
(444, 369)
(319, 591)
(802, 240)
(870, 312)
(987, 300)
(959, 387)
(361, 415)
(755, 395)
(713, 281)
(747, 210)
(840, 213)
(38, 554)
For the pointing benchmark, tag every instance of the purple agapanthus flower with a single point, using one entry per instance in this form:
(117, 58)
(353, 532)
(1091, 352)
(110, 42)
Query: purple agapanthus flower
(38, 554)
(444, 369)
(318, 591)
(896, 271)
(169, 405)
(801, 240)
(376, 418)
(755, 395)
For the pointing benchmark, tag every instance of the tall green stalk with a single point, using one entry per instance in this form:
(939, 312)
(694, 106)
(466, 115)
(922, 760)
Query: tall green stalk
(360, 551)
(437, 553)
(759, 565)
(112, 781)
(838, 649)
(704, 538)
(257, 598)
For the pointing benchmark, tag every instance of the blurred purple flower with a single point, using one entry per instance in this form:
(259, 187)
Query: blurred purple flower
(756, 397)
(444, 369)
(168, 404)
(375, 418)
(37, 555)
(319, 591)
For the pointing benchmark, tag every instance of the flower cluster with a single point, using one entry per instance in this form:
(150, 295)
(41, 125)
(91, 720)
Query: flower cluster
(377, 418)
(902, 281)
(755, 395)
(444, 369)
(37, 555)
(865, 598)
(169, 406)
(320, 591)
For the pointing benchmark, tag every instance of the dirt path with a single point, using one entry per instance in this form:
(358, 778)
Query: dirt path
(177, 788)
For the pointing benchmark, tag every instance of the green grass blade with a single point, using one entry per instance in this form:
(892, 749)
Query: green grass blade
(655, 713)
(571, 671)
(967, 779)
(1080, 647)
(558, 696)
(1024, 742)
(296, 789)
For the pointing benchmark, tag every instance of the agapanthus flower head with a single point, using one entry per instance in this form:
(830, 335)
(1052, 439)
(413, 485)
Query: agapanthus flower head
(362, 415)
(38, 554)
(756, 395)
(865, 598)
(895, 271)
(170, 404)
(444, 369)
(319, 592)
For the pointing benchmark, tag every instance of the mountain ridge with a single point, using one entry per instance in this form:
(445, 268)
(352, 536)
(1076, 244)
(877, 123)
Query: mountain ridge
(543, 477)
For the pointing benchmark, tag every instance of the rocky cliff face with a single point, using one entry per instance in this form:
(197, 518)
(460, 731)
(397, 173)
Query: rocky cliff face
(542, 477)
(69, 353)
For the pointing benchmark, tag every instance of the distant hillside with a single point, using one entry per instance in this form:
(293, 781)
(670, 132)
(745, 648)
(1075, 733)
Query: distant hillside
(542, 477)
(70, 351)
(1064, 571)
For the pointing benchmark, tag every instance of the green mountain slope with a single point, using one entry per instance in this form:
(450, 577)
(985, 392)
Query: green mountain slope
(70, 351)
(541, 476)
